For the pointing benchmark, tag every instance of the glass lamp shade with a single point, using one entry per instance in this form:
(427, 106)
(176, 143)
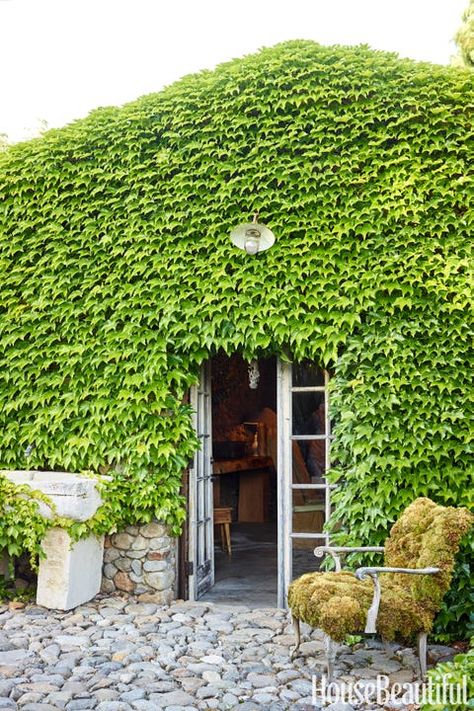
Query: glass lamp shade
(252, 237)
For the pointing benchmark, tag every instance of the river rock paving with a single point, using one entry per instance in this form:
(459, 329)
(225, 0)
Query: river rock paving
(115, 654)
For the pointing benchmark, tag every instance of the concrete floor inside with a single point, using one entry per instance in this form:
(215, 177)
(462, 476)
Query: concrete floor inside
(249, 575)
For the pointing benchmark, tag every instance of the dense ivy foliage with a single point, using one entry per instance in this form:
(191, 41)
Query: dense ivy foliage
(22, 526)
(118, 276)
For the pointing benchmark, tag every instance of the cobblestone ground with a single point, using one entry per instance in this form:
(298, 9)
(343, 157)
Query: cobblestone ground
(116, 655)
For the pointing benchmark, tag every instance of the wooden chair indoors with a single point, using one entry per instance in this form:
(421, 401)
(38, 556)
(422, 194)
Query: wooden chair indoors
(223, 519)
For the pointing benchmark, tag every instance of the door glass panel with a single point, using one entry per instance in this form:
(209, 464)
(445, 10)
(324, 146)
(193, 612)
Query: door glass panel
(308, 510)
(309, 461)
(200, 499)
(309, 413)
(307, 374)
(206, 545)
(200, 548)
(303, 558)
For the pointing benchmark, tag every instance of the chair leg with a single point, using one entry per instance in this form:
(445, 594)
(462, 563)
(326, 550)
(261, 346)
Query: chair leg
(296, 627)
(221, 526)
(331, 650)
(227, 539)
(422, 653)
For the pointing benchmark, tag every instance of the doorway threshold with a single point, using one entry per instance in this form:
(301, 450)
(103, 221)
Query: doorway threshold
(249, 576)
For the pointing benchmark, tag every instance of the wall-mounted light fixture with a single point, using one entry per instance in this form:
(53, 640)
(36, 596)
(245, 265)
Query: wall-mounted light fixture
(252, 237)
(254, 374)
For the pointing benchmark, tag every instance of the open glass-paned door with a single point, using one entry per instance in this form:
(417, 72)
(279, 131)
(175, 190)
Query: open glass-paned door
(201, 526)
(303, 460)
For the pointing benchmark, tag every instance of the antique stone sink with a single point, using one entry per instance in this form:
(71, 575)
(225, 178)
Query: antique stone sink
(71, 572)
(74, 496)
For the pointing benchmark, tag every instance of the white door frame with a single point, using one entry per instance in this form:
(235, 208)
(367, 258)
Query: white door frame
(286, 438)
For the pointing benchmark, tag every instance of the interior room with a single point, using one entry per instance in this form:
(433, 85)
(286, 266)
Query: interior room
(244, 429)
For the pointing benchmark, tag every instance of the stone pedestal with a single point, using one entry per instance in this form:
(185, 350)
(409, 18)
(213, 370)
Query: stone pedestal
(71, 573)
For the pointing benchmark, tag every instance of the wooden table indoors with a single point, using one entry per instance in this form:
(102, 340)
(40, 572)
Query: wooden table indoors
(254, 483)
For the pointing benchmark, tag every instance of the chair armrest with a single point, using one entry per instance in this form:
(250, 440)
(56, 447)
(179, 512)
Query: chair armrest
(337, 551)
(362, 573)
(373, 572)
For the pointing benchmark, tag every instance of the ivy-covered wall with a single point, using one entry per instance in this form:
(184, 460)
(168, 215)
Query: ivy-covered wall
(118, 276)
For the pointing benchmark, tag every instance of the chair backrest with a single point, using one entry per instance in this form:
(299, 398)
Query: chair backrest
(427, 536)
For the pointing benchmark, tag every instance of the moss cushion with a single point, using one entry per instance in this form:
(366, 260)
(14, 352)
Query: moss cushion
(426, 535)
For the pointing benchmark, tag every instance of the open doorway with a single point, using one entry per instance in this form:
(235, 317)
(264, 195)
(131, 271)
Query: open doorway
(244, 446)
(258, 496)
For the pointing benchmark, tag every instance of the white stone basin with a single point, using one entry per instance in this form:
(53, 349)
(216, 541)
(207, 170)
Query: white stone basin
(71, 572)
(74, 496)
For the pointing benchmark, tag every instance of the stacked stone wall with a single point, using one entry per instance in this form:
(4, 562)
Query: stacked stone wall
(141, 560)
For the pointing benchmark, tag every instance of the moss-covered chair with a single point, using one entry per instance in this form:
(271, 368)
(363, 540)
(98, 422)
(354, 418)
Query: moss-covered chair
(419, 560)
